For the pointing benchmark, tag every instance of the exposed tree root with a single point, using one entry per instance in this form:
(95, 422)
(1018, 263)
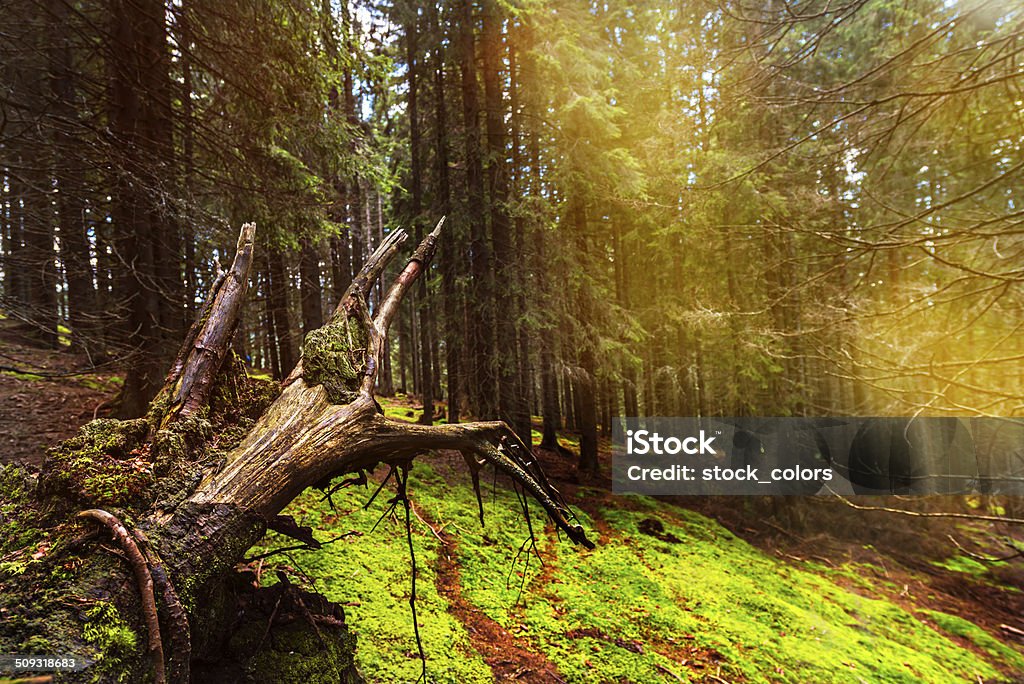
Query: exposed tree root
(181, 636)
(145, 581)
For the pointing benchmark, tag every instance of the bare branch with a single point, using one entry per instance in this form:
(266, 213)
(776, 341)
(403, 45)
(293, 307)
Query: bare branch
(201, 357)
(371, 270)
(378, 327)
(482, 443)
(930, 514)
(986, 559)
(419, 260)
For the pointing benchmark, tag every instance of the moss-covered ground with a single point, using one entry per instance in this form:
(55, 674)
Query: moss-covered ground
(668, 595)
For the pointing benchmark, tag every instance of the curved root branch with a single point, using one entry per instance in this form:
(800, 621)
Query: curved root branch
(181, 638)
(145, 581)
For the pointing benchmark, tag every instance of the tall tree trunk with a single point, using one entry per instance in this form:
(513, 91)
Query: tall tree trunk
(270, 336)
(404, 353)
(141, 128)
(341, 266)
(15, 289)
(310, 291)
(29, 152)
(426, 370)
(622, 296)
(39, 256)
(551, 410)
(481, 312)
(586, 386)
(81, 296)
(184, 23)
(278, 302)
(451, 261)
(386, 379)
(509, 403)
(521, 420)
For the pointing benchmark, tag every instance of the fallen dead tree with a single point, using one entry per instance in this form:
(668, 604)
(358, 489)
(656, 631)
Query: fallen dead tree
(188, 490)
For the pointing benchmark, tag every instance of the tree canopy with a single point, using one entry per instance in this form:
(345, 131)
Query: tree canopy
(654, 208)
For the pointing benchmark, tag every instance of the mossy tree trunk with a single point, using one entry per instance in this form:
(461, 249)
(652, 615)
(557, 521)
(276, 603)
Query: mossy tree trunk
(193, 507)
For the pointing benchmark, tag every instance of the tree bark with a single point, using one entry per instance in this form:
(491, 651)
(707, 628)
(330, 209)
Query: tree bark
(522, 419)
(426, 374)
(74, 244)
(32, 258)
(510, 401)
(141, 128)
(311, 294)
(278, 304)
(481, 337)
(585, 387)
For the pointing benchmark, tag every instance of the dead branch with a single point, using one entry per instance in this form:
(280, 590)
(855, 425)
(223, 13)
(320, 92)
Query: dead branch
(286, 525)
(983, 558)
(930, 514)
(201, 357)
(493, 443)
(1012, 630)
(381, 323)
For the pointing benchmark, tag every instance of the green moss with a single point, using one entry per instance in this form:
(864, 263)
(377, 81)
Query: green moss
(38, 645)
(957, 626)
(966, 564)
(260, 393)
(31, 377)
(236, 397)
(258, 374)
(335, 356)
(19, 536)
(98, 383)
(105, 464)
(571, 442)
(630, 610)
(765, 620)
(159, 406)
(294, 655)
(370, 576)
(114, 640)
(399, 410)
(232, 435)
(863, 576)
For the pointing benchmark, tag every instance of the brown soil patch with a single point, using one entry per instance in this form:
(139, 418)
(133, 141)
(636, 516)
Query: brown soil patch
(510, 659)
(37, 412)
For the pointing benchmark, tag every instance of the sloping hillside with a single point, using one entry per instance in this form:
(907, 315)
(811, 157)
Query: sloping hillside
(668, 595)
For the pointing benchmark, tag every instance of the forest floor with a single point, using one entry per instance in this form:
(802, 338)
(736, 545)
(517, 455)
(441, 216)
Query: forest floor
(677, 590)
(784, 590)
(44, 395)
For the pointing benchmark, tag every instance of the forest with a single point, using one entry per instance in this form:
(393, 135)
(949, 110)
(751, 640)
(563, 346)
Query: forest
(786, 208)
